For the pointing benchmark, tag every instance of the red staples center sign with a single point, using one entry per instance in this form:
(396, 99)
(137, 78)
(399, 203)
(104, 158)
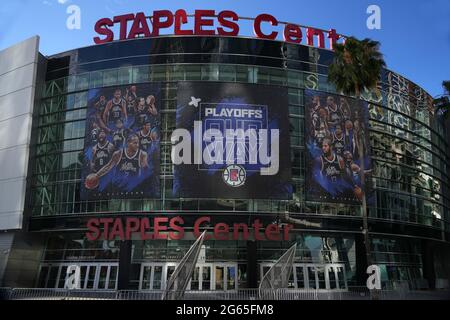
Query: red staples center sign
(208, 23)
(164, 228)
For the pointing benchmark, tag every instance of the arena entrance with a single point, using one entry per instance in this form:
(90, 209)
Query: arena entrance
(207, 276)
(95, 276)
(314, 276)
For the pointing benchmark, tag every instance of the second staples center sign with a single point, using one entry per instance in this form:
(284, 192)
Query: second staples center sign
(230, 142)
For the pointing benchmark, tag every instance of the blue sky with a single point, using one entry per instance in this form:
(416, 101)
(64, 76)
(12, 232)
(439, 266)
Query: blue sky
(415, 35)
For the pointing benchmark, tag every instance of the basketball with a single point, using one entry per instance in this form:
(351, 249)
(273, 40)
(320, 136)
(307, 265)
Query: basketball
(92, 181)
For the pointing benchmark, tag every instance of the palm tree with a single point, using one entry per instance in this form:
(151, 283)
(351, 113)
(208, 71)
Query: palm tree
(357, 67)
(442, 102)
(446, 85)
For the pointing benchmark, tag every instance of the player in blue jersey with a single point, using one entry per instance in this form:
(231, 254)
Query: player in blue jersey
(115, 109)
(130, 162)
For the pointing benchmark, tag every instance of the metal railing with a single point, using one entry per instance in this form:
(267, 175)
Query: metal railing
(354, 293)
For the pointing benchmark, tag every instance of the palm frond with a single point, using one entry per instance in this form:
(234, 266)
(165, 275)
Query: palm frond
(357, 66)
(446, 86)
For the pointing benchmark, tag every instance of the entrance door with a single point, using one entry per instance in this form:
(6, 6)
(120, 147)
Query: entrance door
(92, 276)
(155, 276)
(321, 276)
(107, 277)
(152, 276)
(206, 276)
(265, 267)
(202, 278)
(214, 276)
(299, 277)
(314, 276)
(225, 276)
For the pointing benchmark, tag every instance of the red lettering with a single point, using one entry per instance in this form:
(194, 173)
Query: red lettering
(123, 21)
(105, 222)
(287, 228)
(224, 22)
(159, 24)
(145, 226)
(197, 225)
(311, 33)
(334, 37)
(93, 233)
(179, 234)
(293, 33)
(257, 26)
(101, 27)
(236, 228)
(257, 225)
(132, 225)
(124, 231)
(140, 26)
(117, 230)
(181, 18)
(272, 232)
(221, 231)
(201, 22)
(158, 228)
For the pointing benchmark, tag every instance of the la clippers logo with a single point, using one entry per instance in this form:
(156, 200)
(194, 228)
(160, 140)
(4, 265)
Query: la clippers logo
(234, 176)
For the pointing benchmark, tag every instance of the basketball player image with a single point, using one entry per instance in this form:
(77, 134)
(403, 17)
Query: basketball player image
(348, 136)
(323, 130)
(130, 162)
(334, 114)
(131, 98)
(102, 152)
(338, 141)
(314, 115)
(94, 132)
(116, 108)
(146, 136)
(119, 135)
(333, 168)
(352, 168)
(315, 105)
(145, 112)
(345, 109)
(100, 108)
(150, 103)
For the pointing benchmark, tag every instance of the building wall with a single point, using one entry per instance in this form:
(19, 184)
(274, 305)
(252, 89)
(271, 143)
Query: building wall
(18, 69)
(6, 240)
(409, 147)
(23, 261)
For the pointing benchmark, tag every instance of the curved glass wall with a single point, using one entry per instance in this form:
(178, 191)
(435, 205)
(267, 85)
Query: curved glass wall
(408, 144)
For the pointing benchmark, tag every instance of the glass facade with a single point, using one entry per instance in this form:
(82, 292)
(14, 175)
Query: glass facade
(409, 149)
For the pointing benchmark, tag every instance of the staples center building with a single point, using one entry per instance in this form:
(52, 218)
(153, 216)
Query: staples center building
(116, 156)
